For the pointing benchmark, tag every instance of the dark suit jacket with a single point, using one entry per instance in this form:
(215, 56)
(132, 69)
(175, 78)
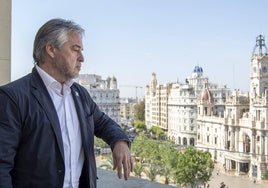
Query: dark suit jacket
(31, 148)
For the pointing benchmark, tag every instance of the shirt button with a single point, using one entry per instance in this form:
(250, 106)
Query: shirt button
(59, 171)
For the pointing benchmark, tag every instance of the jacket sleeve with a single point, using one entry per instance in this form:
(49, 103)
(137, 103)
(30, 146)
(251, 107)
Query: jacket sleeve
(9, 137)
(104, 126)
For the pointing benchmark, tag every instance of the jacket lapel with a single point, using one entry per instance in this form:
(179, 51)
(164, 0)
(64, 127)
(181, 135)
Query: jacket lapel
(82, 113)
(42, 96)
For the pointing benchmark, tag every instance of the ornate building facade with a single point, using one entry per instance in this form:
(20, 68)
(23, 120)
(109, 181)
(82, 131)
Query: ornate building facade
(239, 139)
(173, 106)
(103, 92)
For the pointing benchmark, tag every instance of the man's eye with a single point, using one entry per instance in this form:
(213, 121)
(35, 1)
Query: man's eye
(77, 50)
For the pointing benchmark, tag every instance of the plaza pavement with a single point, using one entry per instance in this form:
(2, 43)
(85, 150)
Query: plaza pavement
(232, 181)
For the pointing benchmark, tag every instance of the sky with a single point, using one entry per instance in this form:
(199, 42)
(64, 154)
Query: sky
(131, 39)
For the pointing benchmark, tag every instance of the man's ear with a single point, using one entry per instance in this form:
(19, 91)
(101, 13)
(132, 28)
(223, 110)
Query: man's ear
(50, 50)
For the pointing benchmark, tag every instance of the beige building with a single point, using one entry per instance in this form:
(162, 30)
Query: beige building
(5, 41)
(127, 108)
(156, 100)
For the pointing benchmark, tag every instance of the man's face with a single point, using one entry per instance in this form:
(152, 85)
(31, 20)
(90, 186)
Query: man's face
(67, 60)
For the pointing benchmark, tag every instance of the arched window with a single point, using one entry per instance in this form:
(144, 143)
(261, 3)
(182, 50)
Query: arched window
(184, 141)
(192, 141)
(246, 143)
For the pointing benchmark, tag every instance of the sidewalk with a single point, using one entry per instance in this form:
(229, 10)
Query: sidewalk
(233, 181)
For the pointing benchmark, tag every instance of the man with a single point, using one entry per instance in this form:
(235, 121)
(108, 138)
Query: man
(48, 122)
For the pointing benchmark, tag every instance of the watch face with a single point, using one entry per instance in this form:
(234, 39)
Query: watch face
(264, 69)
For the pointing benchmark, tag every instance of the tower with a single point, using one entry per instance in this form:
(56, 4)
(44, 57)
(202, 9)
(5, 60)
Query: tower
(113, 83)
(258, 69)
(205, 101)
(153, 84)
(5, 41)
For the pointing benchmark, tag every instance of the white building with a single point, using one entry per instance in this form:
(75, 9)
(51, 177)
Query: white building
(104, 93)
(173, 106)
(239, 140)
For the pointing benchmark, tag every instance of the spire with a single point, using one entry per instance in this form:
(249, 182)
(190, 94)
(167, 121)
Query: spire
(260, 45)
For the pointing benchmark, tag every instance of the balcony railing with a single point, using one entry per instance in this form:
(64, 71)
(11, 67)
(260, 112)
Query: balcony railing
(109, 179)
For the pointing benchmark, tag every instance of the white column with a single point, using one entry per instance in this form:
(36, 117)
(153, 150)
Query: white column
(5, 41)
(266, 145)
(232, 139)
(236, 139)
(253, 142)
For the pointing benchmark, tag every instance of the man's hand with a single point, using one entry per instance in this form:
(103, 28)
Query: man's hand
(122, 158)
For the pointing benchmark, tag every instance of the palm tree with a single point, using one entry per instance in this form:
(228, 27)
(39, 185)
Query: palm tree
(152, 172)
(138, 169)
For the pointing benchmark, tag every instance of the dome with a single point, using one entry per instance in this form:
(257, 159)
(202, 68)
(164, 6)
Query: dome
(205, 95)
(198, 69)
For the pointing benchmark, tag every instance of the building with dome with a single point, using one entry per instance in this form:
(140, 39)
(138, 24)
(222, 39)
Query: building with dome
(173, 106)
(232, 126)
(239, 139)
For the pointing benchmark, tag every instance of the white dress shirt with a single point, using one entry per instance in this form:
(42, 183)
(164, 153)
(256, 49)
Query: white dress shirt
(70, 128)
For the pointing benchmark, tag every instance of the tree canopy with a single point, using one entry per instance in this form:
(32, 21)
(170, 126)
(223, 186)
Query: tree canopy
(194, 167)
(139, 111)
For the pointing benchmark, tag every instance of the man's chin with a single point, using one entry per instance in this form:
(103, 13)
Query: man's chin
(76, 74)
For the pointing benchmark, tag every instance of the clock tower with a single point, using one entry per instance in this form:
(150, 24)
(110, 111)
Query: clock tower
(259, 69)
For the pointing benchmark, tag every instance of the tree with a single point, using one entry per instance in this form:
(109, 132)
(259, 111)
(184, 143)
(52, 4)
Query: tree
(108, 164)
(140, 126)
(160, 158)
(152, 171)
(194, 166)
(158, 132)
(168, 161)
(138, 168)
(139, 111)
(266, 174)
(99, 142)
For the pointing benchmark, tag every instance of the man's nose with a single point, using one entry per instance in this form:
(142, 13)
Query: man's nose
(81, 57)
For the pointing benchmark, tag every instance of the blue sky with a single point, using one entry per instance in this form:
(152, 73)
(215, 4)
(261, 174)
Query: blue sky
(130, 39)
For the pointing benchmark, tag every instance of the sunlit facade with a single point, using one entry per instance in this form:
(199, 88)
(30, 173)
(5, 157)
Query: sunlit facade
(173, 106)
(239, 140)
(104, 93)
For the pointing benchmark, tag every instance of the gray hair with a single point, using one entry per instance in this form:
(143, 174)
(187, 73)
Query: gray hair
(54, 32)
